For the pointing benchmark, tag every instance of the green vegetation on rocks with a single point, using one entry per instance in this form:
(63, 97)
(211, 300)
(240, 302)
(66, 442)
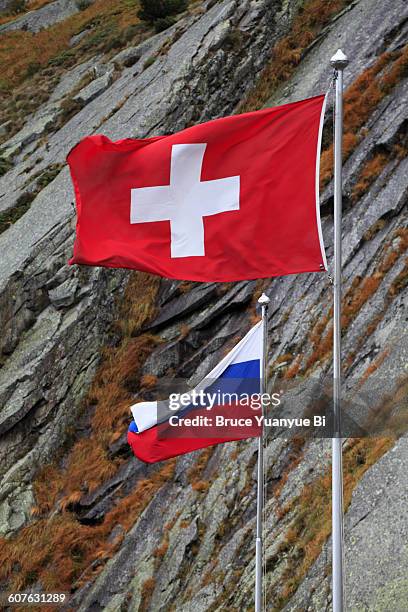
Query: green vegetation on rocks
(5, 165)
(159, 10)
(12, 215)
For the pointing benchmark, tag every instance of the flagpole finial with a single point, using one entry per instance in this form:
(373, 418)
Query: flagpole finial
(339, 60)
(264, 300)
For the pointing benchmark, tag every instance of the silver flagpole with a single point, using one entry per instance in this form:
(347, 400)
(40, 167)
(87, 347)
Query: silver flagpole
(263, 301)
(339, 61)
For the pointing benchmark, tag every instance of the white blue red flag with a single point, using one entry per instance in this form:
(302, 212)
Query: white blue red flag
(219, 409)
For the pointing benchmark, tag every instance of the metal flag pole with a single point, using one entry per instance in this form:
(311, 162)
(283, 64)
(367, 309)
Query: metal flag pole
(263, 301)
(339, 61)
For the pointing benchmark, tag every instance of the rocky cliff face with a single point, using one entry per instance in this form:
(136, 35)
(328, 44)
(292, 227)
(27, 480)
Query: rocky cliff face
(180, 537)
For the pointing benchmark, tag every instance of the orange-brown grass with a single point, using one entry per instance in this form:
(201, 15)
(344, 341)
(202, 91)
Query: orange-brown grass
(170, 524)
(294, 368)
(160, 552)
(369, 330)
(359, 292)
(88, 464)
(19, 49)
(320, 327)
(369, 174)
(374, 229)
(195, 472)
(321, 340)
(364, 94)
(61, 549)
(400, 150)
(223, 288)
(184, 331)
(283, 358)
(373, 367)
(32, 5)
(186, 286)
(147, 592)
(110, 384)
(287, 53)
(47, 487)
(350, 142)
(200, 485)
(138, 302)
(361, 99)
(209, 576)
(148, 381)
(234, 454)
(400, 282)
(354, 299)
(391, 413)
(393, 252)
(294, 458)
(362, 289)
(311, 522)
(373, 168)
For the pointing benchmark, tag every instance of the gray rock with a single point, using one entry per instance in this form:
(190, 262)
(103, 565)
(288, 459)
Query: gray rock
(70, 79)
(40, 242)
(74, 40)
(239, 295)
(30, 132)
(4, 4)
(375, 530)
(44, 17)
(354, 32)
(92, 507)
(295, 305)
(375, 546)
(54, 320)
(16, 510)
(5, 127)
(64, 295)
(195, 367)
(95, 88)
(185, 304)
(129, 57)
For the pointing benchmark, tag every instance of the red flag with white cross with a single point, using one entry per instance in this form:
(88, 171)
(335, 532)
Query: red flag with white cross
(232, 199)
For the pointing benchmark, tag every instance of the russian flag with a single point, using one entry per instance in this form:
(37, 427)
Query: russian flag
(220, 409)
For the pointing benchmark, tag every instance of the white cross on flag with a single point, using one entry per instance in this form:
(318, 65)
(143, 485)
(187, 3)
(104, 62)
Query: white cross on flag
(235, 198)
(186, 214)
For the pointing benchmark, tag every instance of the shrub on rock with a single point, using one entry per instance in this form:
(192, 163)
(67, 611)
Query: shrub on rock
(16, 6)
(163, 23)
(82, 5)
(153, 10)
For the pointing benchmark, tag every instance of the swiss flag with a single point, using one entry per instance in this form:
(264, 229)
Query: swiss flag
(236, 198)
